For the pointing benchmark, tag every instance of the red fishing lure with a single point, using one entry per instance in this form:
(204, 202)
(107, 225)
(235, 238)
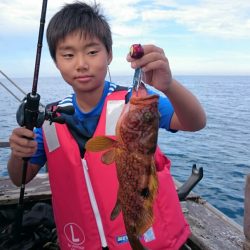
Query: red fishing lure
(136, 51)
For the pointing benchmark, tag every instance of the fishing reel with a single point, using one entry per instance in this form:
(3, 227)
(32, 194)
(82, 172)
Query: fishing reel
(31, 113)
(51, 113)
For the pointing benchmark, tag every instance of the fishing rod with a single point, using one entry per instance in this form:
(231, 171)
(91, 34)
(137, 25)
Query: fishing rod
(28, 113)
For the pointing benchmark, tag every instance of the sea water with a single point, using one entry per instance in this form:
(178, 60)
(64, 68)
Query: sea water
(222, 148)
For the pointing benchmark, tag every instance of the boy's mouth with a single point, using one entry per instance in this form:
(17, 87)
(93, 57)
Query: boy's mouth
(83, 78)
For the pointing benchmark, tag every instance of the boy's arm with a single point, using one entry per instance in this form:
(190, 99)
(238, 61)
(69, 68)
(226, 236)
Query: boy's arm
(21, 147)
(188, 112)
(15, 170)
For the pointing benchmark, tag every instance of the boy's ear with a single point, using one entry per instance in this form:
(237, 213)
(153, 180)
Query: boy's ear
(110, 57)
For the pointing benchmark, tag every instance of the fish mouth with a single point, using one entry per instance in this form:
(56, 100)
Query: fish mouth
(144, 100)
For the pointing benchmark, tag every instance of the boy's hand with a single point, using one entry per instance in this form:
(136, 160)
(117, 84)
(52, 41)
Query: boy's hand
(155, 67)
(22, 143)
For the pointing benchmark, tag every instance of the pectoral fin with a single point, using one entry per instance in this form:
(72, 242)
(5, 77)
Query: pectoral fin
(109, 156)
(116, 210)
(99, 143)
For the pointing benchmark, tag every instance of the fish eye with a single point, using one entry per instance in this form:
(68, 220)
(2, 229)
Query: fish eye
(148, 116)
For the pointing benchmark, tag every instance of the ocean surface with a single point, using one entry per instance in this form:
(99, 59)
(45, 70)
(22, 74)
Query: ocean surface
(222, 148)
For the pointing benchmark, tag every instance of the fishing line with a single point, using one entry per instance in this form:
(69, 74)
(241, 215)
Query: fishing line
(10, 92)
(14, 84)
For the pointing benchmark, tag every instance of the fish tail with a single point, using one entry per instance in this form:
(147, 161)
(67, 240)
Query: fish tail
(133, 238)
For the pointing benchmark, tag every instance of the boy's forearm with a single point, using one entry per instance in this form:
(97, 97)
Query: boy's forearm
(15, 167)
(186, 106)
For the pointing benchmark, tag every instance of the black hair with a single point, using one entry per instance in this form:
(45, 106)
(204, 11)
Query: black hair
(80, 17)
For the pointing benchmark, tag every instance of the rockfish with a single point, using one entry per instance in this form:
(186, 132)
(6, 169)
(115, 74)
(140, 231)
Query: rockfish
(133, 152)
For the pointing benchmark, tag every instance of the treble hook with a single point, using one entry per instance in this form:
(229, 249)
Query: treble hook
(136, 52)
(137, 79)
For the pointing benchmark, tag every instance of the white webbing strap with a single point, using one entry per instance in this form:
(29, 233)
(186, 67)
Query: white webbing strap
(94, 204)
(114, 109)
(51, 136)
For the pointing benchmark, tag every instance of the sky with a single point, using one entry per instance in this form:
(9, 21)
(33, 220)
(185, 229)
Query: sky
(201, 37)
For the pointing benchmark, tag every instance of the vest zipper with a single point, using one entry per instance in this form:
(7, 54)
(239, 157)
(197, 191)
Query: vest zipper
(94, 204)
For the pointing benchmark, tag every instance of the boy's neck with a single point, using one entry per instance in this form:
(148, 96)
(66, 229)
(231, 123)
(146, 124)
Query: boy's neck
(88, 100)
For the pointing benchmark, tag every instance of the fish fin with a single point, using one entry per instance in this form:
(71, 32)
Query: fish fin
(109, 156)
(133, 238)
(152, 188)
(99, 143)
(135, 243)
(147, 221)
(116, 210)
(147, 213)
(153, 181)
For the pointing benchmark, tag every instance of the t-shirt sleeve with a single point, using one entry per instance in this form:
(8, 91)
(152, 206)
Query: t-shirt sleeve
(39, 158)
(166, 111)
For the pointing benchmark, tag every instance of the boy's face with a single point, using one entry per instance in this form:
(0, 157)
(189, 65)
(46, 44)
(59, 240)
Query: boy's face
(83, 62)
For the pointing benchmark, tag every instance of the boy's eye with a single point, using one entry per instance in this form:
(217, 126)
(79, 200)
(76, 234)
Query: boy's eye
(67, 55)
(92, 52)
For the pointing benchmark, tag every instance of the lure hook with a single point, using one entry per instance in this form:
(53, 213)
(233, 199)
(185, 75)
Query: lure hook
(136, 52)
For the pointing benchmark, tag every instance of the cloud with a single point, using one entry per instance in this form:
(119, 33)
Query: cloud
(227, 63)
(226, 19)
(13, 17)
(209, 17)
(194, 29)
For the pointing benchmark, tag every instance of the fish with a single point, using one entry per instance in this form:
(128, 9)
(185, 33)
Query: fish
(133, 153)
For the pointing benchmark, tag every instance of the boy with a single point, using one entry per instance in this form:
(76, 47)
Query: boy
(83, 190)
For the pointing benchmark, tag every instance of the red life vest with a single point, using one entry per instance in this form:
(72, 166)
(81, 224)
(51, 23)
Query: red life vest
(84, 192)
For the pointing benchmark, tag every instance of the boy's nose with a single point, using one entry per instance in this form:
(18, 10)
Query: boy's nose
(81, 63)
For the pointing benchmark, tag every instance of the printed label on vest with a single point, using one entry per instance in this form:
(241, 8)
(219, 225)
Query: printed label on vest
(122, 239)
(51, 136)
(114, 109)
(75, 235)
(149, 235)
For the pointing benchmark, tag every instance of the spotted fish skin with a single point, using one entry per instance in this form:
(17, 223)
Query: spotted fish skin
(133, 152)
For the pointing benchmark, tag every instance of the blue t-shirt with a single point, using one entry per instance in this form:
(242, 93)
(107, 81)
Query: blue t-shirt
(165, 108)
